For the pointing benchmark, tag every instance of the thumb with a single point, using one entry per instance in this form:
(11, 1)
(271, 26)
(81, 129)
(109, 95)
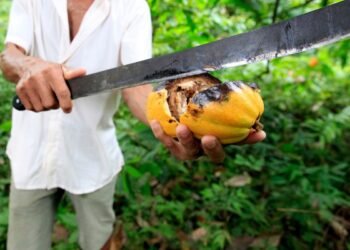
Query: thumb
(72, 73)
(253, 138)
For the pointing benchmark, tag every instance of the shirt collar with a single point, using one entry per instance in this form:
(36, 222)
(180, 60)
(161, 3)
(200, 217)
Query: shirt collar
(94, 17)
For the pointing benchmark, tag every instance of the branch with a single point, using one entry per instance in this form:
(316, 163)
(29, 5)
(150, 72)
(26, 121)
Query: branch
(324, 3)
(296, 210)
(274, 18)
(275, 11)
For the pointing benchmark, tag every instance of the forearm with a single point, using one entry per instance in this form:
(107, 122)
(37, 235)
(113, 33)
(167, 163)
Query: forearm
(12, 62)
(136, 99)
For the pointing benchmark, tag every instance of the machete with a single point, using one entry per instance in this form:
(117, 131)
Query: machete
(311, 30)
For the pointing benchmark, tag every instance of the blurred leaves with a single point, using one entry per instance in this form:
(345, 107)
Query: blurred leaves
(282, 193)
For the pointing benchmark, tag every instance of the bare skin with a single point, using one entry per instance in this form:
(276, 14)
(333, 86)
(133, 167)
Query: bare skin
(41, 86)
(76, 12)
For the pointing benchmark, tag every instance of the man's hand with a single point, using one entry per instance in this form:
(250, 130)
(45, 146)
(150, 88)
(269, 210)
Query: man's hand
(189, 148)
(42, 85)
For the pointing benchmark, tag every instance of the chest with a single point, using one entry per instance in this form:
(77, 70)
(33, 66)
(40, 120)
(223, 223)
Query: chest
(76, 12)
(99, 27)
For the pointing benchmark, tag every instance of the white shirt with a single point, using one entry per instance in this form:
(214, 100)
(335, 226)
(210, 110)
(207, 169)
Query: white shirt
(79, 151)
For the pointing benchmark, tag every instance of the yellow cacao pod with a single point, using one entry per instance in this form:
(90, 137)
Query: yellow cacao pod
(228, 111)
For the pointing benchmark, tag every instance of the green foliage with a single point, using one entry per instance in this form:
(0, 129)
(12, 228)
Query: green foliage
(289, 192)
(5, 126)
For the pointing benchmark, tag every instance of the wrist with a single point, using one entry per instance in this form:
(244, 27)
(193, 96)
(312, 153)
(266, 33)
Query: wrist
(24, 63)
(14, 63)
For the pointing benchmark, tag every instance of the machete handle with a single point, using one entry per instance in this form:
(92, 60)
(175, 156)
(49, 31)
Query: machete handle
(17, 104)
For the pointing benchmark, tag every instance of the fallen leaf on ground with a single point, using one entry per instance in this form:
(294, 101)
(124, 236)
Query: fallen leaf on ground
(239, 180)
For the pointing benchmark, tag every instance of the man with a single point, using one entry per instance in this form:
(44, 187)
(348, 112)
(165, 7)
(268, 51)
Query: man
(72, 145)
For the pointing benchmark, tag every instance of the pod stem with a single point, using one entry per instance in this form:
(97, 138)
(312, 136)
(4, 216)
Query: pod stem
(258, 125)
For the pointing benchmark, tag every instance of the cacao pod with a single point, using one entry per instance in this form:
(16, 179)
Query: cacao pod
(229, 111)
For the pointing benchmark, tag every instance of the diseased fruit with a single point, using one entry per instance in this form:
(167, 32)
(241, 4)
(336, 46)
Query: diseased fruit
(229, 111)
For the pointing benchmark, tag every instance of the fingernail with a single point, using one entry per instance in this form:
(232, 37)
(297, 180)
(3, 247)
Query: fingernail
(210, 145)
(184, 133)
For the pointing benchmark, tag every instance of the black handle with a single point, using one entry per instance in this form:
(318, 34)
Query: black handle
(17, 104)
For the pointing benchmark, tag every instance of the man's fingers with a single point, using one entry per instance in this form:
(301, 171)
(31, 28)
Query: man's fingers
(62, 92)
(188, 147)
(47, 97)
(187, 140)
(35, 100)
(213, 149)
(72, 73)
(22, 95)
(43, 86)
(25, 101)
(161, 136)
(254, 138)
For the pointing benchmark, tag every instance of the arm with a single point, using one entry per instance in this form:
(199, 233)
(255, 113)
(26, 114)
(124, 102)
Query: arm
(136, 99)
(39, 84)
(11, 62)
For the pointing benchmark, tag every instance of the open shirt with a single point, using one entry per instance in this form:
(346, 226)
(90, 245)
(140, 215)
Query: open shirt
(78, 152)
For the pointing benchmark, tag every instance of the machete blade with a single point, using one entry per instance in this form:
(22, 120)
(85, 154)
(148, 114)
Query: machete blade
(311, 30)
